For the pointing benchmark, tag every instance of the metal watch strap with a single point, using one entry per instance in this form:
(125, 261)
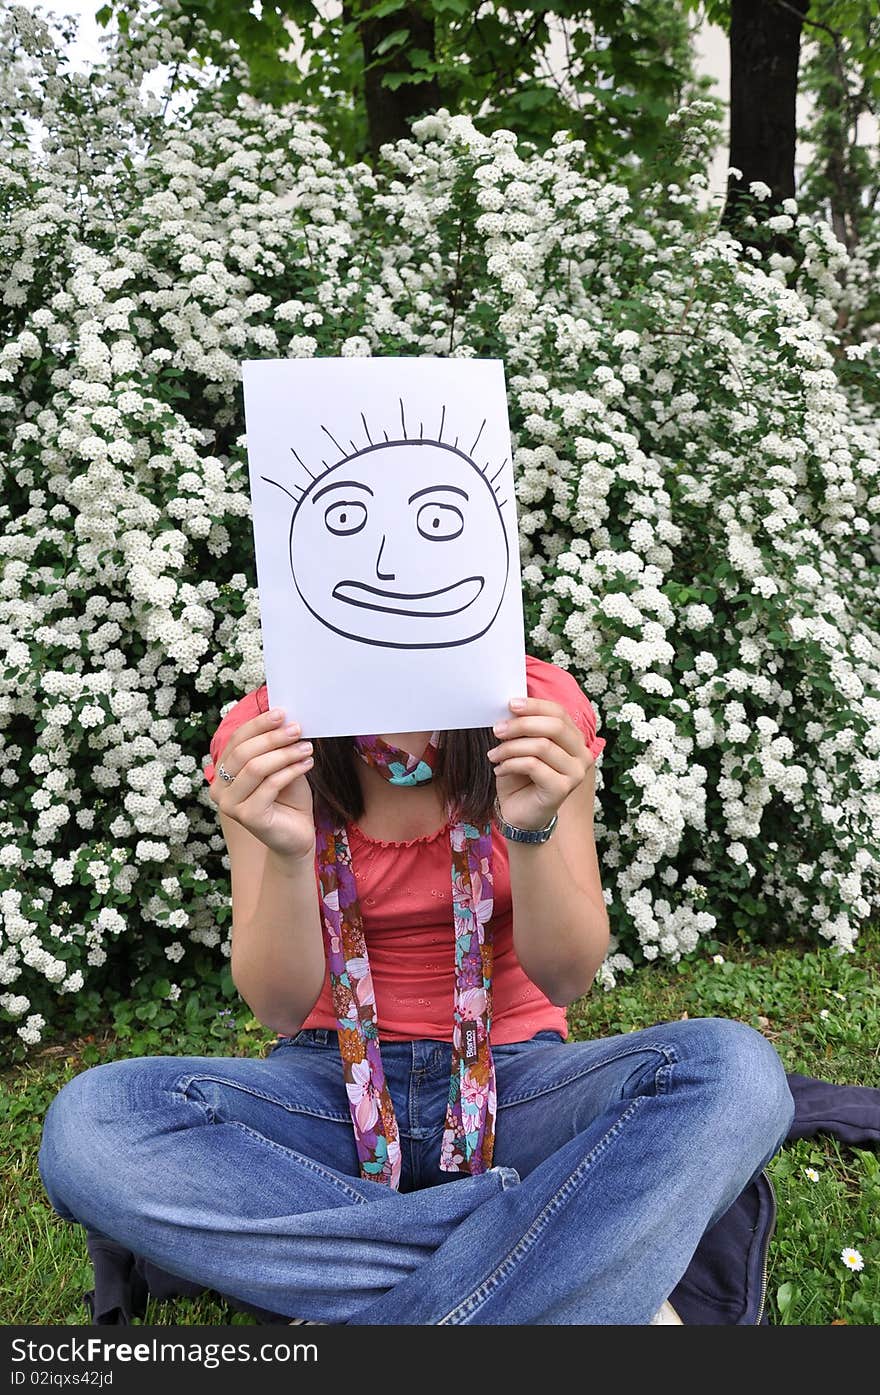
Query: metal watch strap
(524, 835)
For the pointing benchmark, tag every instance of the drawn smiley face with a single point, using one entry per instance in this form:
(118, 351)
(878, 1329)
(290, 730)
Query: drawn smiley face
(401, 545)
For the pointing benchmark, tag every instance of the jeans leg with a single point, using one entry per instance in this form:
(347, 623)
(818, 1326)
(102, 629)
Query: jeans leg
(241, 1174)
(630, 1149)
(237, 1174)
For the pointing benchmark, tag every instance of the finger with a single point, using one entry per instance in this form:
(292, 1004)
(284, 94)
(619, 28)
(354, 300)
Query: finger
(260, 800)
(264, 723)
(559, 729)
(241, 747)
(544, 748)
(260, 767)
(238, 752)
(254, 726)
(536, 707)
(549, 781)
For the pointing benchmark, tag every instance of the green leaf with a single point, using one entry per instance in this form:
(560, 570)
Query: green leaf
(392, 40)
(532, 98)
(870, 1162)
(394, 80)
(380, 10)
(784, 1299)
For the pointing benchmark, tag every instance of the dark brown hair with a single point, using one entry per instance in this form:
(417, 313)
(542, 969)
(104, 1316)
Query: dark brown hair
(465, 778)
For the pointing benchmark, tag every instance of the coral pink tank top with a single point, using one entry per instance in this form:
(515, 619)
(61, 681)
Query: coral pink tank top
(406, 904)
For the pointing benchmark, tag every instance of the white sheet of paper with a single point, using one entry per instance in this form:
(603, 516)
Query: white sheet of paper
(387, 551)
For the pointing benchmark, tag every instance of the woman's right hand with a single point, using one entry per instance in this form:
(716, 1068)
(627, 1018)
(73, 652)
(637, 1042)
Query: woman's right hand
(270, 795)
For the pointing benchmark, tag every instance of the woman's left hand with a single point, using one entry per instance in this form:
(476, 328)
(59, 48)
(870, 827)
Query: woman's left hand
(541, 757)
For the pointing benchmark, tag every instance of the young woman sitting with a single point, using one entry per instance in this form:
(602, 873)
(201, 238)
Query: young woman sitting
(412, 913)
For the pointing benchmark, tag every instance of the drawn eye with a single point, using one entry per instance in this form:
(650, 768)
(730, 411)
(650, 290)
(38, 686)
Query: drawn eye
(346, 516)
(440, 522)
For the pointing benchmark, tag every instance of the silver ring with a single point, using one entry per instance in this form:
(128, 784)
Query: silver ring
(224, 774)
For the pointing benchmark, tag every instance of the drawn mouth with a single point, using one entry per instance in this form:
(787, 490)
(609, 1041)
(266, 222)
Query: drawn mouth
(452, 599)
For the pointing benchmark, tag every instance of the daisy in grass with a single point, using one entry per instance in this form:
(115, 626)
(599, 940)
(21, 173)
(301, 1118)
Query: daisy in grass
(852, 1259)
(811, 1174)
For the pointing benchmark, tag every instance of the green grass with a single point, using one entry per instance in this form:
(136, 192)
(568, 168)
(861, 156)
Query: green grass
(782, 992)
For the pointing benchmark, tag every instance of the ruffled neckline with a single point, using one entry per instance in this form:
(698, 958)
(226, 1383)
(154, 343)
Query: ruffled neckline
(421, 841)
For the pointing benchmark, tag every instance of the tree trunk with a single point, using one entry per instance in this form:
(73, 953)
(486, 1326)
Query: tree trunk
(390, 110)
(840, 135)
(765, 40)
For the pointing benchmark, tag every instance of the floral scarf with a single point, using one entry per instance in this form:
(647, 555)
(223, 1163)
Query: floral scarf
(469, 1135)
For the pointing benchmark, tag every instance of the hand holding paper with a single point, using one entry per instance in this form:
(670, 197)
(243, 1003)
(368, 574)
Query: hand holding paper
(541, 757)
(268, 794)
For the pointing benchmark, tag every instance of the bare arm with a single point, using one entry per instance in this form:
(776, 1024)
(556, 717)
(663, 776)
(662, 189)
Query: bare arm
(267, 820)
(278, 961)
(560, 922)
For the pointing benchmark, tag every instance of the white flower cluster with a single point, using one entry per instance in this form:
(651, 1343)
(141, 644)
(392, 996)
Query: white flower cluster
(697, 490)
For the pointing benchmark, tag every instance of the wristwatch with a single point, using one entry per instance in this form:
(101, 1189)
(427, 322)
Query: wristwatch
(524, 835)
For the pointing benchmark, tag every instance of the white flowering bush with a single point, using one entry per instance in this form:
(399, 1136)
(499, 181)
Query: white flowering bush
(698, 496)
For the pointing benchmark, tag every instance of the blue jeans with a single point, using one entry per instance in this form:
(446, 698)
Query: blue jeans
(612, 1157)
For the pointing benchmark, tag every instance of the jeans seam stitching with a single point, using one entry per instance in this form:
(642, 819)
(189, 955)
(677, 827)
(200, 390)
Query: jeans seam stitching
(181, 1091)
(666, 1051)
(663, 1077)
(306, 1162)
(478, 1296)
(183, 1086)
